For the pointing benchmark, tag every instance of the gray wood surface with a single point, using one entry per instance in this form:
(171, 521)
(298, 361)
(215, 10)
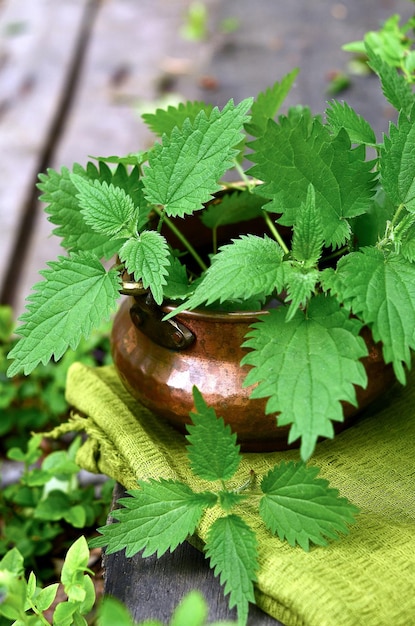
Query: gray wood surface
(75, 73)
(35, 69)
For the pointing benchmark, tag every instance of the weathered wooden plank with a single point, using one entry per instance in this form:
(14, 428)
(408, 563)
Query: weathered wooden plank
(136, 53)
(38, 41)
(307, 35)
(134, 48)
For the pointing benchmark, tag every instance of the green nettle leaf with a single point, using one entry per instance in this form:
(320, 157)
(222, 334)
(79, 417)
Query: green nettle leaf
(132, 184)
(163, 121)
(341, 115)
(46, 596)
(229, 499)
(308, 236)
(177, 285)
(389, 42)
(147, 257)
(231, 546)
(306, 366)
(76, 295)
(370, 227)
(396, 163)
(395, 88)
(158, 517)
(308, 153)
(191, 611)
(76, 561)
(267, 104)
(302, 508)
(300, 285)
(233, 208)
(408, 246)
(132, 158)
(107, 209)
(184, 170)
(381, 291)
(111, 612)
(13, 562)
(248, 267)
(60, 194)
(213, 451)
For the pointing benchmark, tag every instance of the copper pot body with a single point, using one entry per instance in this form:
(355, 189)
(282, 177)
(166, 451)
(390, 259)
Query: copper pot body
(162, 378)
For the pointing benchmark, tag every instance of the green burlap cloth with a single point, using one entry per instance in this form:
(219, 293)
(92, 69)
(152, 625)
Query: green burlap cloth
(366, 578)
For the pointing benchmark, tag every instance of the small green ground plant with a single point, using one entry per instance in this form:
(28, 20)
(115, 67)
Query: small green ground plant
(393, 43)
(23, 602)
(45, 509)
(36, 402)
(291, 500)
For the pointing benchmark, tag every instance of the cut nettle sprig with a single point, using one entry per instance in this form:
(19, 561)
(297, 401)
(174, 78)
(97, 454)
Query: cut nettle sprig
(292, 501)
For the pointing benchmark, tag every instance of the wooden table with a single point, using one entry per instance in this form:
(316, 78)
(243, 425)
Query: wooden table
(73, 76)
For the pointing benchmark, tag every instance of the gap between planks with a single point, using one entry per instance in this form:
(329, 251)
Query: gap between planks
(42, 49)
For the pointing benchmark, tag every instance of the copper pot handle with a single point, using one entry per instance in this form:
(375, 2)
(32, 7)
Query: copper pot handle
(148, 317)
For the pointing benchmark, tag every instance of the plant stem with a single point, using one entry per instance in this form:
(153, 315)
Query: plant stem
(275, 232)
(336, 254)
(267, 218)
(405, 224)
(181, 238)
(397, 213)
(243, 176)
(38, 613)
(215, 240)
(393, 228)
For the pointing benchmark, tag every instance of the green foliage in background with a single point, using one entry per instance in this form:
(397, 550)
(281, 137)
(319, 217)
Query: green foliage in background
(393, 43)
(31, 403)
(25, 602)
(44, 510)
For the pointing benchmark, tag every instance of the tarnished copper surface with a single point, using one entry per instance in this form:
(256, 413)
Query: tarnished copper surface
(162, 378)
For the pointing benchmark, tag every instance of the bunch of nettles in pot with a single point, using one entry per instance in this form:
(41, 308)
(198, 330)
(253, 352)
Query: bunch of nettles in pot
(348, 262)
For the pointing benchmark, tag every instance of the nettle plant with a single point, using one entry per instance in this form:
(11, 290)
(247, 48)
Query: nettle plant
(347, 261)
(393, 42)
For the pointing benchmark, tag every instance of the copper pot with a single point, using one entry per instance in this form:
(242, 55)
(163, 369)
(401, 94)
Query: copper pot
(160, 361)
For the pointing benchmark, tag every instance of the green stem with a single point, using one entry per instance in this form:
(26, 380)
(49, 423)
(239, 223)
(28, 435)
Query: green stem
(275, 232)
(397, 213)
(243, 176)
(38, 613)
(250, 184)
(181, 238)
(335, 254)
(392, 228)
(215, 240)
(405, 223)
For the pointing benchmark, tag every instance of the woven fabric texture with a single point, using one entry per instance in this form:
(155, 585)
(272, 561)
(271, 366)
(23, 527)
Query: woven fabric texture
(366, 578)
